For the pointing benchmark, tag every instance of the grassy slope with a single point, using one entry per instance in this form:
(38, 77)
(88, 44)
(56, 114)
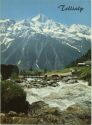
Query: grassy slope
(83, 72)
(60, 72)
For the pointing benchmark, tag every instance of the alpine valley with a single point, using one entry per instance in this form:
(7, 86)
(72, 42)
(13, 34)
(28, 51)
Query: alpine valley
(40, 42)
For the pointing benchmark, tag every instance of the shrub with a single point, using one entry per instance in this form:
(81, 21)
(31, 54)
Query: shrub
(13, 97)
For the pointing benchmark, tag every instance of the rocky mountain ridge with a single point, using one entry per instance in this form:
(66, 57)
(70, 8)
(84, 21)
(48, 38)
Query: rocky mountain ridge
(42, 43)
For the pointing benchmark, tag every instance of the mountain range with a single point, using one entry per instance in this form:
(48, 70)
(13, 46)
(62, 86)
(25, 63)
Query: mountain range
(42, 43)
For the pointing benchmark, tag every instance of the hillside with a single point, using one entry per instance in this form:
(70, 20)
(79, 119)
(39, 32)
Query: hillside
(85, 57)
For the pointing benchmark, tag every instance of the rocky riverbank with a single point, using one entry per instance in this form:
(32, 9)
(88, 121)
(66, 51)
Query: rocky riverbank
(41, 113)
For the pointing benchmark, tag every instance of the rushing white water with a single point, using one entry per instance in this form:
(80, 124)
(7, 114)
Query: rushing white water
(61, 96)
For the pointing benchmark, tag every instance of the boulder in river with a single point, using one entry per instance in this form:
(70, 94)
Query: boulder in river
(40, 108)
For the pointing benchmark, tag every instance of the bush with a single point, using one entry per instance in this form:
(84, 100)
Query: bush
(13, 97)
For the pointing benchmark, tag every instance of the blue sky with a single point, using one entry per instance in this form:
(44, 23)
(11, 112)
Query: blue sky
(21, 9)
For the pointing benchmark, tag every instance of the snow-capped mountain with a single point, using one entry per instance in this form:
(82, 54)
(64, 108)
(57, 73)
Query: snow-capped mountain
(40, 42)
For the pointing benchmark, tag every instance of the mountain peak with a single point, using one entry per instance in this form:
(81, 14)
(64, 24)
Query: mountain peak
(40, 18)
